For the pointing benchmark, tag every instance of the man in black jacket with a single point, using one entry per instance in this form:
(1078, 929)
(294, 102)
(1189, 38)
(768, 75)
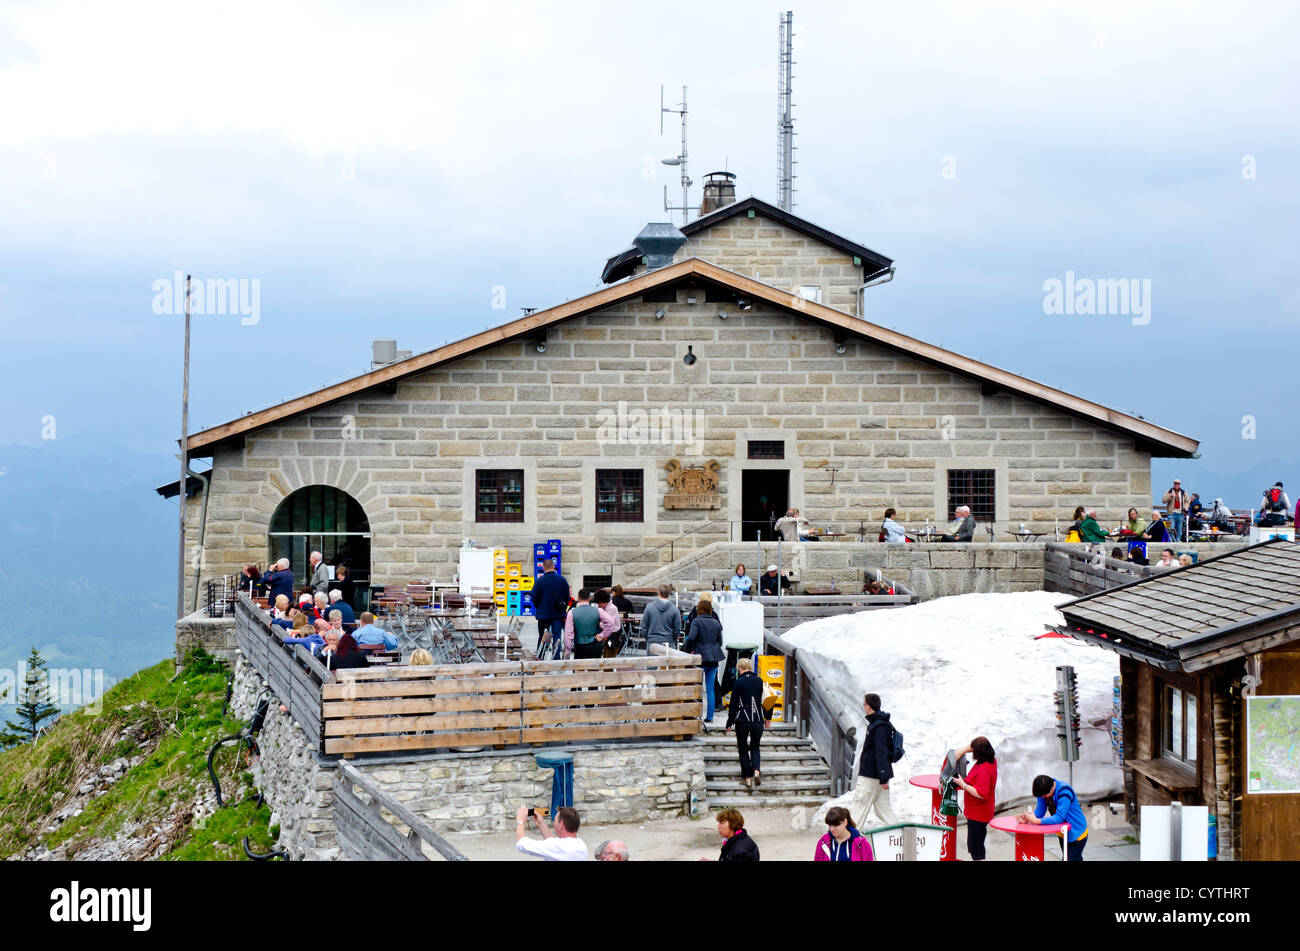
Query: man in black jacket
(876, 768)
(550, 603)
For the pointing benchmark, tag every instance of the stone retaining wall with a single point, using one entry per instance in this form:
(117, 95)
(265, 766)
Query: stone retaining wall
(214, 635)
(931, 570)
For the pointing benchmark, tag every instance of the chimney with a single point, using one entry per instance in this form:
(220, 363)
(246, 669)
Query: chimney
(384, 352)
(658, 242)
(719, 191)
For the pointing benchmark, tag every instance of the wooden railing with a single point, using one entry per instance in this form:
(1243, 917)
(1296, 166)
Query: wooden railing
(296, 678)
(816, 713)
(1072, 569)
(413, 709)
(365, 835)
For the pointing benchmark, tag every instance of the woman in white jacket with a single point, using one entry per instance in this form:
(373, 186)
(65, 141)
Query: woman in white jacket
(892, 530)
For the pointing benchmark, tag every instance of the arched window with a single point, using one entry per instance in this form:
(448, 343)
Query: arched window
(328, 520)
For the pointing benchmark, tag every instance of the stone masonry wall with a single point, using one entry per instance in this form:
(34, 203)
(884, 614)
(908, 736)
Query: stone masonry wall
(481, 792)
(214, 635)
(933, 570)
(774, 254)
(297, 784)
(862, 431)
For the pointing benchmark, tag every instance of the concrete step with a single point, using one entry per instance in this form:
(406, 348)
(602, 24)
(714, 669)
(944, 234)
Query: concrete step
(809, 787)
(758, 800)
(810, 770)
(729, 755)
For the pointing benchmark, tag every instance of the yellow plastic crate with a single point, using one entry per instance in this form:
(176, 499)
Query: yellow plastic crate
(513, 571)
(514, 586)
(526, 583)
(500, 556)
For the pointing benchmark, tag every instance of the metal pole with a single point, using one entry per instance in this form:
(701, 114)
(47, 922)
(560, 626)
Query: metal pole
(185, 460)
(780, 631)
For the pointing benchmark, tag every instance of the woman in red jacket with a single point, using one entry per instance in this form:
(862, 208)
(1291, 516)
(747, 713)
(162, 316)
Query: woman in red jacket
(979, 785)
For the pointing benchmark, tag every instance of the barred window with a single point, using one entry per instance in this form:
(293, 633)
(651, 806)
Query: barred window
(620, 495)
(499, 495)
(767, 449)
(976, 488)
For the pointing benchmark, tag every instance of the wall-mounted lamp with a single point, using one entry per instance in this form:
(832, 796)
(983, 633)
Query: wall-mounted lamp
(744, 303)
(690, 357)
(690, 298)
(659, 314)
(841, 343)
(722, 314)
(540, 343)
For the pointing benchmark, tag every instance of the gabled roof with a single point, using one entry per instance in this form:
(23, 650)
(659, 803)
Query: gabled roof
(1200, 615)
(621, 265)
(1160, 440)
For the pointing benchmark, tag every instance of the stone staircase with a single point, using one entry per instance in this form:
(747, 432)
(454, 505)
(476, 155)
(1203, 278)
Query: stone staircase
(793, 773)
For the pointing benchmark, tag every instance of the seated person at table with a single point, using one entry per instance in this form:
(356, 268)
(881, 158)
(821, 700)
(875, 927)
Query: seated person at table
(280, 613)
(337, 603)
(740, 582)
(1072, 533)
(322, 602)
(1134, 526)
(250, 580)
(311, 639)
(1273, 507)
(1089, 530)
(962, 528)
(349, 655)
(368, 635)
(773, 582)
(891, 531)
(1157, 531)
(1195, 512)
(1167, 559)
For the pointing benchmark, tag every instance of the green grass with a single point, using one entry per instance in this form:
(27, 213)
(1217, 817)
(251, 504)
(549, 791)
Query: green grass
(176, 719)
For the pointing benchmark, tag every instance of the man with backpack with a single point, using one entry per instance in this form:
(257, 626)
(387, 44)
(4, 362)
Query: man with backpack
(1055, 803)
(882, 748)
(1273, 508)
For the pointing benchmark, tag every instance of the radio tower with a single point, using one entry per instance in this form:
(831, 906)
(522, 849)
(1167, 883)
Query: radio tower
(785, 112)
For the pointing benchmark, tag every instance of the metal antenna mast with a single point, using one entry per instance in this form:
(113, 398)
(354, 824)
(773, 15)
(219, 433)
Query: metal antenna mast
(685, 207)
(785, 112)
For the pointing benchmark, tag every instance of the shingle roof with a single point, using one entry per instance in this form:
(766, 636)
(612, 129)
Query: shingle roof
(1223, 605)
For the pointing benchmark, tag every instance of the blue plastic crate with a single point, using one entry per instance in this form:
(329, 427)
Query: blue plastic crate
(553, 547)
(527, 611)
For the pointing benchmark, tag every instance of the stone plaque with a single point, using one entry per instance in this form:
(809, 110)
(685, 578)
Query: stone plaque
(692, 487)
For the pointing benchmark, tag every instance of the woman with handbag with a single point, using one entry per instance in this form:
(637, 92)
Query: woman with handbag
(746, 713)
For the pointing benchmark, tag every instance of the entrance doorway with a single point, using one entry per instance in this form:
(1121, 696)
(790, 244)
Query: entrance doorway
(764, 497)
(328, 520)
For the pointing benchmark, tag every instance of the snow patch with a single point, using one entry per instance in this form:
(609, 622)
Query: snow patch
(954, 668)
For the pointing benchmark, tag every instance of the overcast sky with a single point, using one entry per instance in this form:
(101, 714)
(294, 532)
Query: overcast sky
(379, 169)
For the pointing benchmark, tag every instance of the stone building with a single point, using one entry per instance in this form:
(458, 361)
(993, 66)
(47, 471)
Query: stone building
(687, 403)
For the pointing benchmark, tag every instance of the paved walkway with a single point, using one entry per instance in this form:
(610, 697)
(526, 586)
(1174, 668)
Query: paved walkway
(776, 834)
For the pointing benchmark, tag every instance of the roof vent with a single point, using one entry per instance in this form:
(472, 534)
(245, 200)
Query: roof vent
(658, 242)
(719, 191)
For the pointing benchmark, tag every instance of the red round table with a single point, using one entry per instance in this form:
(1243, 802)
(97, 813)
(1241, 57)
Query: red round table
(1029, 836)
(948, 843)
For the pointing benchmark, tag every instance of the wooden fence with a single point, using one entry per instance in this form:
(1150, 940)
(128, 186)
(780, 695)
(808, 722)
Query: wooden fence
(779, 615)
(412, 709)
(1072, 568)
(296, 679)
(366, 835)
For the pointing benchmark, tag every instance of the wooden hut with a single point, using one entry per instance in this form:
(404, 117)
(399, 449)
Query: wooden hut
(1210, 666)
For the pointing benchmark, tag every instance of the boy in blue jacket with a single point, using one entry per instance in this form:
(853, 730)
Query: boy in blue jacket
(1064, 808)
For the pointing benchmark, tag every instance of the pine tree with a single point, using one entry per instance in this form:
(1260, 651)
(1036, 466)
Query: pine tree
(34, 706)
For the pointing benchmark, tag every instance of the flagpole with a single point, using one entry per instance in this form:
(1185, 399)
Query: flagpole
(185, 461)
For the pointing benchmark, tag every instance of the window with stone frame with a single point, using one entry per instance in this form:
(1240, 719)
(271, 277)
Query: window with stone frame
(499, 495)
(976, 488)
(620, 495)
